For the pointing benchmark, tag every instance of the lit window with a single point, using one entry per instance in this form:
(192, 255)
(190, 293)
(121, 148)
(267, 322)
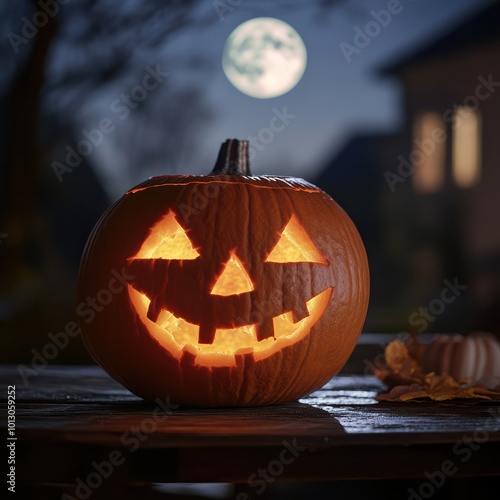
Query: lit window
(466, 154)
(428, 152)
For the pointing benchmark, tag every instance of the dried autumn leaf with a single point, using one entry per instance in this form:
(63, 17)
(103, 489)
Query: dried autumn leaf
(398, 392)
(402, 366)
(408, 381)
(416, 392)
(441, 382)
(396, 355)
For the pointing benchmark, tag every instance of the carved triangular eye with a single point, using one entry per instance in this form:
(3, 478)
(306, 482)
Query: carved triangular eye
(233, 279)
(295, 245)
(167, 239)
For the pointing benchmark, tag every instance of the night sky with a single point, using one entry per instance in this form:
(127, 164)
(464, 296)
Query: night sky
(334, 100)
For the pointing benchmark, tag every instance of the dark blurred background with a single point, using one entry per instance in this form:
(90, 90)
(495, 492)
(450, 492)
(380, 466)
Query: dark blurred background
(398, 119)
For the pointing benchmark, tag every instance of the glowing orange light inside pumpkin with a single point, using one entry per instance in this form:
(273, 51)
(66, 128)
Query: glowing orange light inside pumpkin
(167, 239)
(177, 335)
(295, 245)
(233, 280)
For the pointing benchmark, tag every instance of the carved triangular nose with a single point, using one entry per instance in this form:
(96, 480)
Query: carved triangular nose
(233, 280)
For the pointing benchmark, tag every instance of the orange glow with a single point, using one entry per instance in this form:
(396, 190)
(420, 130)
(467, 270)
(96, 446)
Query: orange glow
(177, 335)
(429, 153)
(233, 280)
(466, 154)
(167, 239)
(295, 245)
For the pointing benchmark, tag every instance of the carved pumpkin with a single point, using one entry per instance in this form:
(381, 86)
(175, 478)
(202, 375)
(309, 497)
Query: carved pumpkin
(240, 290)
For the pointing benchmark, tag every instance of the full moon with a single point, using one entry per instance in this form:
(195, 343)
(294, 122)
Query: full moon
(264, 57)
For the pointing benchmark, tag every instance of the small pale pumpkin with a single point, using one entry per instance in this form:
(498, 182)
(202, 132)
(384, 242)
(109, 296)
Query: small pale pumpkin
(471, 358)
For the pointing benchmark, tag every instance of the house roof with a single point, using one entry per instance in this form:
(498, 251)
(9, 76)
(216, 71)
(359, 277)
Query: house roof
(480, 29)
(353, 162)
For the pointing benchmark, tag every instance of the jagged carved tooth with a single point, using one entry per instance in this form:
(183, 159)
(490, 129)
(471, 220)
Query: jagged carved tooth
(265, 329)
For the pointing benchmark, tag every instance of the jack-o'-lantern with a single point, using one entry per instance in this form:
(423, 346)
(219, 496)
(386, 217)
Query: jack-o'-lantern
(240, 290)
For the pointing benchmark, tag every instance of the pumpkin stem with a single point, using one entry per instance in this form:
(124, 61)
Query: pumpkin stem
(233, 159)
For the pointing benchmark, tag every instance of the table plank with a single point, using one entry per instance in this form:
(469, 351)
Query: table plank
(69, 417)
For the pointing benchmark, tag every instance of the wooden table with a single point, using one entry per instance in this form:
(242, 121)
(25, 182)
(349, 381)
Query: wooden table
(74, 421)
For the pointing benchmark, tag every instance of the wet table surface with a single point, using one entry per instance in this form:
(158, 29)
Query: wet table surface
(70, 419)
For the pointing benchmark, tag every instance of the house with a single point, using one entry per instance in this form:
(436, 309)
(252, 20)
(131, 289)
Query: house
(438, 206)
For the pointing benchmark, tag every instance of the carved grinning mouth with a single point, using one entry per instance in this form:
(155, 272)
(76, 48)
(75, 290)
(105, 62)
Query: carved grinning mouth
(177, 335)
